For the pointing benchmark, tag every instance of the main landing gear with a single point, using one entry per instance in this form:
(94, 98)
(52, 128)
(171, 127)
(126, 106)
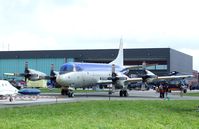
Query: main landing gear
(124, 93)
(11, 98)
(67, 92)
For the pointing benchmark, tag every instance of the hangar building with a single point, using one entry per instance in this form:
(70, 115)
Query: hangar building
(165, 59)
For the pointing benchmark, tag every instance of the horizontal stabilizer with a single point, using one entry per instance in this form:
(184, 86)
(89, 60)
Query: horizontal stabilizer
(175, 77)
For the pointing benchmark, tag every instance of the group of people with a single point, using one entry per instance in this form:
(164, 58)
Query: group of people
(163, 90)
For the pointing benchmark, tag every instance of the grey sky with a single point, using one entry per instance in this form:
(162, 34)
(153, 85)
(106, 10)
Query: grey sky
(91, 24)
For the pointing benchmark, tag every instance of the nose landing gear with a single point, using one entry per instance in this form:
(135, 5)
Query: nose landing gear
(67, 92)
(124, 93)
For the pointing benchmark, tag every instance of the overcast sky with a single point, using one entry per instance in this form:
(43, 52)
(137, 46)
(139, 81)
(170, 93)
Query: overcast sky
(99, 24)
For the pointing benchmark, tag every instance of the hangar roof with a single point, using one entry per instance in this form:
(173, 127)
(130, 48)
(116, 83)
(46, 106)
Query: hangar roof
(87, 54)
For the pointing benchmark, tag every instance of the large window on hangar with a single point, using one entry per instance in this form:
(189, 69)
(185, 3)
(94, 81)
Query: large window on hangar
(70, 60)
(155, 65)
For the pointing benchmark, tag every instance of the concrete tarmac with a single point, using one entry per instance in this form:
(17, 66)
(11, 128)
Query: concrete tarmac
(53, 98)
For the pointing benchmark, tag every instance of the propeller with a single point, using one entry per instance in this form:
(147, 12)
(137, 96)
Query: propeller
(146, 77)
(114, 76)
(26, 72)
(52, 75)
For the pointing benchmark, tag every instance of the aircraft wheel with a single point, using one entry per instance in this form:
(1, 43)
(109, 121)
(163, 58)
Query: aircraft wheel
(10, 99)
(121, 93)
(70, 94)
(125, 93)
(185, 91)
(62, 92)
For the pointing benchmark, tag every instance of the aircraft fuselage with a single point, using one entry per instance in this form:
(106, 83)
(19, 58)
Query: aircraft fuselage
(85, 74)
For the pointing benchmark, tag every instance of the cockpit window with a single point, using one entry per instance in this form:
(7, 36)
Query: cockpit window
(66, 68)
(78, 68)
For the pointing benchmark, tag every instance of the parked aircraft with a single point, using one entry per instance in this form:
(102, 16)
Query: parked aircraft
(75, 75)
(83, 75)
(7, 90)
(30, 74)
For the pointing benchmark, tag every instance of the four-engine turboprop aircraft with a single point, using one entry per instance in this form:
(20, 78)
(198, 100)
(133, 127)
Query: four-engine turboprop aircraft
(82, 75)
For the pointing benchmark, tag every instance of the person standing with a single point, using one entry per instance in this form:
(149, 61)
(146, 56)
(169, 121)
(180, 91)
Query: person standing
(161, 90)
(166, 90)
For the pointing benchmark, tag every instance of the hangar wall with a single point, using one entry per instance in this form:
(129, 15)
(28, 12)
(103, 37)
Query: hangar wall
(167, 59)
(181, 62)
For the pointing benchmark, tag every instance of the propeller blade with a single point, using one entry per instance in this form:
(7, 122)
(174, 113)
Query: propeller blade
(26, 79)
(26, 66)
(52, 75)
(143, 65)
(26, 72)
(113, 68)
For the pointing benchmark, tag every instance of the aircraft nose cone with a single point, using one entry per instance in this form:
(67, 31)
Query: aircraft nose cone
(60, 79)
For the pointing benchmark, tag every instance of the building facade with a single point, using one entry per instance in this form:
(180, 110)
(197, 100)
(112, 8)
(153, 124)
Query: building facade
(165, 59)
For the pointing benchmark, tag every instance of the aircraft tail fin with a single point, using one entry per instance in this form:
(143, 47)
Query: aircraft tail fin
(120, 57)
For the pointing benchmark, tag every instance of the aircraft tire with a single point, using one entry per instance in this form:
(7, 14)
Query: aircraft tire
(70, 94)
(62, 92)
(10, 99)
(184, 91)
(125, 93)
(121, 93)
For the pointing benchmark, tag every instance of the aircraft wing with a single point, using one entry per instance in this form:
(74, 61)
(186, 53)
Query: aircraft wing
(133, 67)
(15, 74)
(144, 65)
(19, 74)
(104, 82)
(174, 77)
(159, 78)
(33, 76)
(134, 79)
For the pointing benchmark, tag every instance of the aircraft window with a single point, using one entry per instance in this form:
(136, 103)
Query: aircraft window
(78, 68)
(161, 67)
(66, 68)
